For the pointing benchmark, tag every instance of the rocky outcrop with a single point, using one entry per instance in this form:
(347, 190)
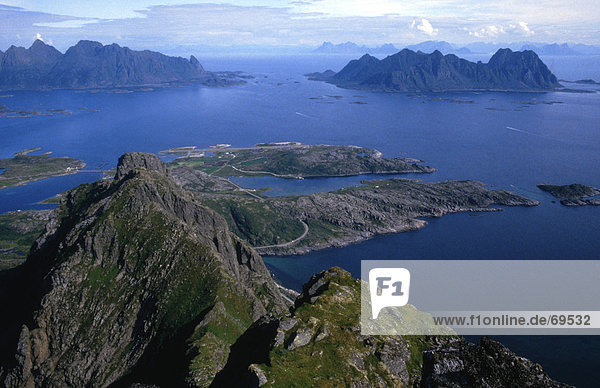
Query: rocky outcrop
(458, 363)
(132, 282)
(129, 163)
(409, 71)
(319, 344)
(573, 195)
(90, 64)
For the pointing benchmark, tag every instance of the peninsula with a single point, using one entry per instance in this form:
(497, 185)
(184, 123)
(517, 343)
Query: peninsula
(298, 224)
(409, 71)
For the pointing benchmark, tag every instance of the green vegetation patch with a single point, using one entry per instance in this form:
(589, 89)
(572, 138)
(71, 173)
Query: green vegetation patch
(299, 161)
(341, 357)
(255, 221)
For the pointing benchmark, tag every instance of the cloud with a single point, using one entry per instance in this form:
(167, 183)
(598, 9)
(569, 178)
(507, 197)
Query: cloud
(488, 32)
(425, 27)
(185, 28)
(73, 23)
(38, 36)
(526, 29)
(519, 29)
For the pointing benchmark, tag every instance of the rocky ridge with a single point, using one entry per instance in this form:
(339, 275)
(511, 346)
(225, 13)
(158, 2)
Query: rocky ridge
(90, 64)
(132, 282)
(409, 71)
(320, 344)
(345, 216)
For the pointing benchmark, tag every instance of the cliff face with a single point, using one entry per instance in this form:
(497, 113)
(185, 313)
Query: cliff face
(415, 71)
(91, 65)
(132, 281)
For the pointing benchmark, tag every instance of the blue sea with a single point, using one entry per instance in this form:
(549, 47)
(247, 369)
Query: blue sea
(510, 141)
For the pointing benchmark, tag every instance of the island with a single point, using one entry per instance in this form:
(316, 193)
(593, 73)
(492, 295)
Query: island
(573, 195)
(410, 71)
(24, 168)
(293, 160)
(90, 64)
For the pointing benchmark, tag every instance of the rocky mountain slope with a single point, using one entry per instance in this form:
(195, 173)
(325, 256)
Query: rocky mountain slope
(92, 65)
(320, 344)
(409, 71)
(132, 281)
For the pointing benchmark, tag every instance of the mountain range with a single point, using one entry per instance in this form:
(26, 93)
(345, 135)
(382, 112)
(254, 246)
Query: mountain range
(90, 64)
(409, 71)
(469, 48)
(353, 48)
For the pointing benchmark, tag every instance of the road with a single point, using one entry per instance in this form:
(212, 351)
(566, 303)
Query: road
(287, 244)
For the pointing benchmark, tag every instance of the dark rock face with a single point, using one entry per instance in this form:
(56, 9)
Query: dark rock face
(458, 363)
(129, 162)
(130, 277)
(415, 71)
(91, 65)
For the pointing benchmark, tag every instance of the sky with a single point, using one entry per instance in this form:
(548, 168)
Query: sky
(176, 24)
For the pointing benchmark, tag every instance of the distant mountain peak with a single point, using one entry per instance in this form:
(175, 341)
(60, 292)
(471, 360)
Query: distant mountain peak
(86, 45)
(194, 61)
(353, 48)
(409, 71)
(92, 64)
(38, 43)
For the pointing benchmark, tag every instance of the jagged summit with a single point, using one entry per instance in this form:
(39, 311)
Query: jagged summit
(37, 44)
(408, 70)
(130, 162)
(91, 64)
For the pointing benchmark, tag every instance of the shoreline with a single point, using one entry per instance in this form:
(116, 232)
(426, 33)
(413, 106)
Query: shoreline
(415, 224)
(39, 178)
